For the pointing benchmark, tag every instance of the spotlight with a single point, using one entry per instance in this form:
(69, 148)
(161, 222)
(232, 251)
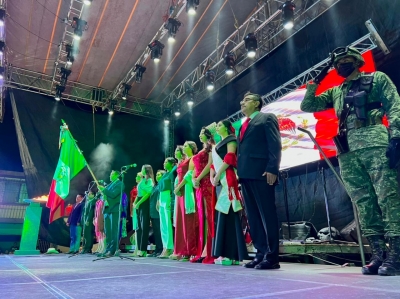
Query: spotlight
(87, 2)
(229, 61)
(2, 71)
(110, 111)
(210, 80)
(250, 43)
(172, 25)
(139, 70)
(2, 46)
(70, 57)
(126, 87)
(167, 115)
(111, 108)
(59, 90)
(2, 16)
(177, 107)
(79, 26)
(190, 96)
(191, 6)
(288, 14)
(156, 50)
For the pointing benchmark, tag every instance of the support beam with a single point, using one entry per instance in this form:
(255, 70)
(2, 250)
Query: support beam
(270, 33)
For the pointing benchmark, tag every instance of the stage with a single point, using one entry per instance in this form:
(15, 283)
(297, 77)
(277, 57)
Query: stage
(79, 277)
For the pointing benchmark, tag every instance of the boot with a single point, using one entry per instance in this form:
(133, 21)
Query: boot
(391, 265)
(378, 250)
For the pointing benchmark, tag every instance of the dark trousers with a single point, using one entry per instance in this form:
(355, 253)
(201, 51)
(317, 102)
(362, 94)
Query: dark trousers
(259, 200)
(111, 231)
(88, 230)
(155, 222)
(142, 233)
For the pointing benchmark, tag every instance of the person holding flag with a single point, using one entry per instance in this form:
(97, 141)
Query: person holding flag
(112, 197)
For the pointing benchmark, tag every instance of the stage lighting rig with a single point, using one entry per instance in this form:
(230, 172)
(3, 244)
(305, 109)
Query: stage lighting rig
(70, 57)
(172, 25)
(126, 87)
(156, 49)
(167, 115)
(59, 90)
(230, 61)
(190, 96)
(191, 6)
(87, 2)
(210, 79)
(250, 43)
(177, 107)
(139, 70)
(288, 14)
(79, 26)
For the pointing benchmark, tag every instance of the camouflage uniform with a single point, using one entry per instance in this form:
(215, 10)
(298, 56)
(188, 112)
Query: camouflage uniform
(371, 184)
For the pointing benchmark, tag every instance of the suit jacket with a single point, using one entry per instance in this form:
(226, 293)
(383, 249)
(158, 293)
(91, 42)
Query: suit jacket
(260, 149)
(76, 214)
(113, 193)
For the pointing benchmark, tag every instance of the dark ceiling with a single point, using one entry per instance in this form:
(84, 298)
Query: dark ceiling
(118, 33)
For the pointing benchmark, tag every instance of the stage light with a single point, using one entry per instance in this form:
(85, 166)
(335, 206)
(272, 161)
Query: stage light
(190, 96)
(172, 25)
(111, 108)
(177, 107)
(79, 26)
(110, 111)
(167, 116)
(59, 90)
(70, 57)
(191, 6)
(139, 70)
(126, 87)
(156, 49)
(2, 16)
(250, 43)
(2, 71)
(229, 61)
(2, 46)
(210, 80)
(288, 14)
(65, 73)
(87, 2)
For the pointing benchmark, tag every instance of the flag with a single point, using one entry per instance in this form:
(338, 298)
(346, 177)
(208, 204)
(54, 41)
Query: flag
(70, 163)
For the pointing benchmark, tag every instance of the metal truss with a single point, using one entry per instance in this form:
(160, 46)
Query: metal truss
(75, 10)
(171, 140)
(364, 44)
(36, 82)
(266, 24)
(129, 77)
(3, 6)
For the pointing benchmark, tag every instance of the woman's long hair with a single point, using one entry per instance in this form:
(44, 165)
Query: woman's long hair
(210, 139)
(228, 125)
(149, 172)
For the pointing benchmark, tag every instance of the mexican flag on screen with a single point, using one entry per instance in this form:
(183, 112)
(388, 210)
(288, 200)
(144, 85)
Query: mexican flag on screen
(70, 163)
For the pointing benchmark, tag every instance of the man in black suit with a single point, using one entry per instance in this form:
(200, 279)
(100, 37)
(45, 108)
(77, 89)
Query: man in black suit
(111, 212)
(259, 156)
(74, 223)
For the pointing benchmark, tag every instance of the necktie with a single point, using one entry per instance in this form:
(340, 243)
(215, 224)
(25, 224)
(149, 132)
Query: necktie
(244, 127)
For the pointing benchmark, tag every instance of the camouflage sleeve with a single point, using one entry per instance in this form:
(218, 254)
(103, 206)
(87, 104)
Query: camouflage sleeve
(312, 103)
(391, 103)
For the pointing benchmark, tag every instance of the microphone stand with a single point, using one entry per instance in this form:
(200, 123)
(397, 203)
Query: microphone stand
(84, 212)
(284, 176)
(124, 169)
(360, 244)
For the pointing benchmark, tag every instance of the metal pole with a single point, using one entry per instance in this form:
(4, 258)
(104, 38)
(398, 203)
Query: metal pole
(326, 205)
(360, 244)
(284, 175)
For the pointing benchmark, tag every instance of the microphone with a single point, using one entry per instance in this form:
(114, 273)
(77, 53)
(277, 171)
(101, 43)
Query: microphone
(130, 166)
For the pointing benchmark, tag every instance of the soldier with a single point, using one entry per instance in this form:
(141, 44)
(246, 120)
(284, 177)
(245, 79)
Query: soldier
(368, 152)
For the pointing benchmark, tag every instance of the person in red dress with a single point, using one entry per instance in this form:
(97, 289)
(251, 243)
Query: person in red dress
(186, 217)
(205, 208)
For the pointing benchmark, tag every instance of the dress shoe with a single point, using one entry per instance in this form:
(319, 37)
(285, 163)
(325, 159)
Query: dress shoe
(267, 265)
(253, 263)
(208, 260)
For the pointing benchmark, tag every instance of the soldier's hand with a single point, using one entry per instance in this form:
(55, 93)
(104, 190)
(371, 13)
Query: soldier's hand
(322, 74)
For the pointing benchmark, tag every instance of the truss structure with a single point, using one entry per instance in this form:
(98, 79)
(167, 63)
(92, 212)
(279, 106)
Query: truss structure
(266, 24)
(36, 82)
(364, 44)
(3, 5)
(75, 10)
(129, 77)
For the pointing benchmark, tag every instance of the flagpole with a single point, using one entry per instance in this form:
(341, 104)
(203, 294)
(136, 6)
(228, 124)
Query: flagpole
(87, 164)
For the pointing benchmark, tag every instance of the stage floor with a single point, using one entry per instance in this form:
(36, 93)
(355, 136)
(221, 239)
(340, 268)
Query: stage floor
(79, 277)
